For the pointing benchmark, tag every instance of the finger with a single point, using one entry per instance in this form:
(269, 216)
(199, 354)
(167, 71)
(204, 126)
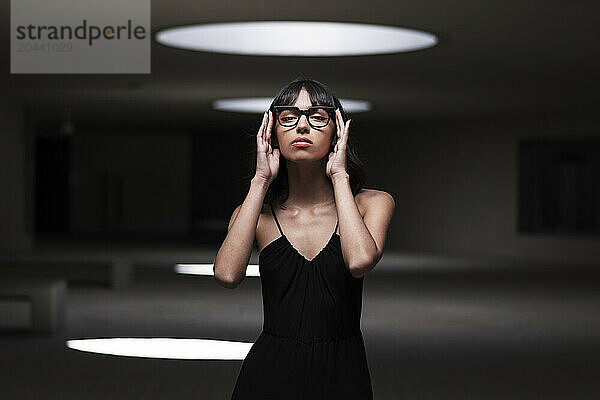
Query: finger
(264, 129)
(270, 127)
(262, 124)
(345, 137)
(259, 135)
(339, 124)
(347, 131)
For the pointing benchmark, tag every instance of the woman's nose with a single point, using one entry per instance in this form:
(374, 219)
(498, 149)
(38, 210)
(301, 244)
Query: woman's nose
(303, 121)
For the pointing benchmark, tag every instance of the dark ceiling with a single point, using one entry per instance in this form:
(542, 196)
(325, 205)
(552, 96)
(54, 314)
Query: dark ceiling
(501, 59)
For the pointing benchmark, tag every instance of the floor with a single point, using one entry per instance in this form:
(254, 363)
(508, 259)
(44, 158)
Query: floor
(429, 335)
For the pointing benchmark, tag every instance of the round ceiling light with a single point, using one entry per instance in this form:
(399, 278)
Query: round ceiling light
(295, 38)
(261, 104)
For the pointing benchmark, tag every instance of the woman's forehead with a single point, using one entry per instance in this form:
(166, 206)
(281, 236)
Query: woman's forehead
(303, 100)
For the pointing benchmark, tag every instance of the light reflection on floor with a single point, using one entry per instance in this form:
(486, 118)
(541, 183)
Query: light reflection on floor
(168, 348)
(207, 269)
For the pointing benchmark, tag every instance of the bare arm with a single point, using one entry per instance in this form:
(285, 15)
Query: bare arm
(362, 238)
(233, 255)
(232, 258)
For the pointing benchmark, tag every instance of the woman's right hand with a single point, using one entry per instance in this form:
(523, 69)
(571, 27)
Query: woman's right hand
(267, 158)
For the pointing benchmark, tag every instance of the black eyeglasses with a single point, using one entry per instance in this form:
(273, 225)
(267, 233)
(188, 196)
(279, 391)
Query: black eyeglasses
(317, 116)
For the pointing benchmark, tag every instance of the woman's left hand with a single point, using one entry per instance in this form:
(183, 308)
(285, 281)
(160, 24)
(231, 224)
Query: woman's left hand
(337, 158)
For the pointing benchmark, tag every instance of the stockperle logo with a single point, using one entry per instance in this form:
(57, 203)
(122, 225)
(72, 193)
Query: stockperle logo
(80, 36)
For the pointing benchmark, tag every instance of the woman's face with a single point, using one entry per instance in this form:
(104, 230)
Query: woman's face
(321, 138)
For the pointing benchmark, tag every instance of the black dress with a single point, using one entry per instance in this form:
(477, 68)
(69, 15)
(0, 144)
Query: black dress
(311, 345)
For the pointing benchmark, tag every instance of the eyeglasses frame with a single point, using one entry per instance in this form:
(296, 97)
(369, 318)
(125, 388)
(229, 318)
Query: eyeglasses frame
(330, 110)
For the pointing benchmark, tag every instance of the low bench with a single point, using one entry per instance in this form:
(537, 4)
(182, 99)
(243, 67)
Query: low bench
(47, 297)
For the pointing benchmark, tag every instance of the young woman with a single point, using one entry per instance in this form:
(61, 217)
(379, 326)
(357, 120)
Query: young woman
(307, 183)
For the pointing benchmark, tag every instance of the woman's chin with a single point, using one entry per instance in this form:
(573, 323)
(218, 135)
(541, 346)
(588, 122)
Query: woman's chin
(306, 158)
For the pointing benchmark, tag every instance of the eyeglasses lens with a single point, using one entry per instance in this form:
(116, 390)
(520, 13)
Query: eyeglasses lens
(318, 117)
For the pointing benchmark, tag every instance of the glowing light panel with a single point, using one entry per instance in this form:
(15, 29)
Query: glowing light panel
(296, 38)
(169, 348)
(207, 269)
(259, 105)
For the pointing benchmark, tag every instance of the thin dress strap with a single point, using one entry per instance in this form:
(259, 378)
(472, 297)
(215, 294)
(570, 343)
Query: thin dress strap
(277, 222)
(279, 226)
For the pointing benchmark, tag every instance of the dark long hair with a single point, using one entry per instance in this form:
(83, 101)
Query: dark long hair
(320, 94)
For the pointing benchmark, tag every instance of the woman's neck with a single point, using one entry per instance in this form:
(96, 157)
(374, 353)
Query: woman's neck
(309, 185)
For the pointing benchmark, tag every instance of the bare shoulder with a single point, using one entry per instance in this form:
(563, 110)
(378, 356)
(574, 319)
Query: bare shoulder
(265, 211)
(367, 198)
(233, 216)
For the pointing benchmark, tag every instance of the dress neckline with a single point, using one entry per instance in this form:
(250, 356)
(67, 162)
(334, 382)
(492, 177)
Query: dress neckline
(294, 247)
(282, 237)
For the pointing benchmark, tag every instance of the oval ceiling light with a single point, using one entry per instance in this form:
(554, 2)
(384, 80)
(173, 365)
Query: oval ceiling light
(260, 104)
(295, 38)
(169, 348)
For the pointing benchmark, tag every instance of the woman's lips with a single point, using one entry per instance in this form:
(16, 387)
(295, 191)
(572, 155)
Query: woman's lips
(301, 144)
